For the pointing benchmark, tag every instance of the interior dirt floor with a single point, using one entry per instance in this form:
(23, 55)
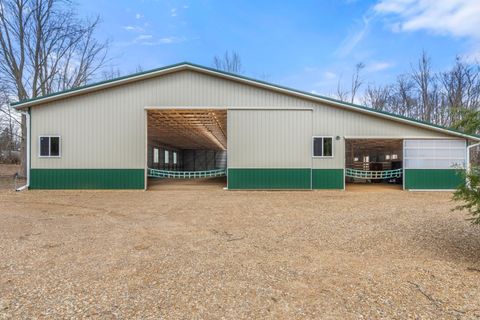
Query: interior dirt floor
(187, 184)
(211, 253)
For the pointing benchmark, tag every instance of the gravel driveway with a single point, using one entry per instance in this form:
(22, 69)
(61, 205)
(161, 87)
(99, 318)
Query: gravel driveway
(210, 253)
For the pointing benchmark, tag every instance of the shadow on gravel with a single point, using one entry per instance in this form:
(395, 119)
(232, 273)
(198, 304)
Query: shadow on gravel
(449, 239)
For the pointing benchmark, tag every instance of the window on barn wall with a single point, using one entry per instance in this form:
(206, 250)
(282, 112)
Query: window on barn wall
(434, 154)
(166, 157)
(322, 146)
(155, 155)
(49, 146)
(174, 158)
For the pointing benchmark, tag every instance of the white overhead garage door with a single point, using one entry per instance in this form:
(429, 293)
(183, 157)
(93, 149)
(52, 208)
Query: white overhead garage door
(434, 164)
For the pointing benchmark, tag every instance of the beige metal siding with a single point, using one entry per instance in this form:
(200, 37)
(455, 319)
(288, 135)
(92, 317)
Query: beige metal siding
(331, 121)
(106, 128)
(269, 138)
(93, 135)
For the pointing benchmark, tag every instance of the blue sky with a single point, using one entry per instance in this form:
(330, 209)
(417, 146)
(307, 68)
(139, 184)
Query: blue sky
(308, 45)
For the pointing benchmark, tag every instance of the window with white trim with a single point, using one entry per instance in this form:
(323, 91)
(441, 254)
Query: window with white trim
(49, 146)
(155, 155)
(174, 157)
(322, 147)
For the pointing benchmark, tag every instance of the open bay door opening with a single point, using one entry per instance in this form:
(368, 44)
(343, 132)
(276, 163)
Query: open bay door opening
(434, 164)
(186, 147)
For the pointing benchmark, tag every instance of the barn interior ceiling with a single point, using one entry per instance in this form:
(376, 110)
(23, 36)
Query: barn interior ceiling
(373, 145)
(189, 128)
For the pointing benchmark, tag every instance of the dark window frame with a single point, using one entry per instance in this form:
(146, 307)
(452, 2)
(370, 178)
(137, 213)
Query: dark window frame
(49, 154)
(322, 146)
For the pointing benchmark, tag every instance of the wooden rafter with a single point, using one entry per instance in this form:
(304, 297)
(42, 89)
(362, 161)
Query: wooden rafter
(189, 128)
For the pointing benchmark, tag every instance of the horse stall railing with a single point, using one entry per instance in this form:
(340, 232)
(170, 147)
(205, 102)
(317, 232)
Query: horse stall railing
(169, 174)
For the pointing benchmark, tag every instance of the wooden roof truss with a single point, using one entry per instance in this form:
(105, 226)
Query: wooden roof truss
(189, 128)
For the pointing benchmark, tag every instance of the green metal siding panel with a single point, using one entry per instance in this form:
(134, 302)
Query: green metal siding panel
(87, 179)
(327, 179)
(433, 178)
(269, 178)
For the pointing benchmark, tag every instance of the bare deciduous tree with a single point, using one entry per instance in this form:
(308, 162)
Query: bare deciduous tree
(342, 93)
(450, 98)
(9, 126)
(229, 62)
(111, 73)
(356, 81)
(45, 47)
(461, 87)
(423, 79)
(377, 98)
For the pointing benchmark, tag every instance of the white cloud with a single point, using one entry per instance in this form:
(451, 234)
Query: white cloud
(173, 12)
(328, 75)
(377, 66)
(319, 73)
(352, 40)
(167, 40)
(133, 28)
(143, 37)
(458, 18)
(150, 40)
(139, 16)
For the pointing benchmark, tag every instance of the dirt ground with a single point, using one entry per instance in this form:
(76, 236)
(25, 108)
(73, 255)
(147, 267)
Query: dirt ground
(8, 169)
(7, 177)
(209, 253)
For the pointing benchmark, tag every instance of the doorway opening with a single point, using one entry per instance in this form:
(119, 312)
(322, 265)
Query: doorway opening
(373, 164)
(186, 148)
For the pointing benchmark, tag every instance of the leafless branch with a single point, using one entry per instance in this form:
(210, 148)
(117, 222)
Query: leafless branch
(230, 62)
(45, 47)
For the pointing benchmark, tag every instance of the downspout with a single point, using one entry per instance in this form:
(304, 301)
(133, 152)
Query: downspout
(27, 143)
(468, 160)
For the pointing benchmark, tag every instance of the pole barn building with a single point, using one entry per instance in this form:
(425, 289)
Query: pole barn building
(187, 121)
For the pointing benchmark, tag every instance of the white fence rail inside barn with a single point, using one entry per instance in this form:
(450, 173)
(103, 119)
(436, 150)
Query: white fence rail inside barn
(385, 174)
(156, 173)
